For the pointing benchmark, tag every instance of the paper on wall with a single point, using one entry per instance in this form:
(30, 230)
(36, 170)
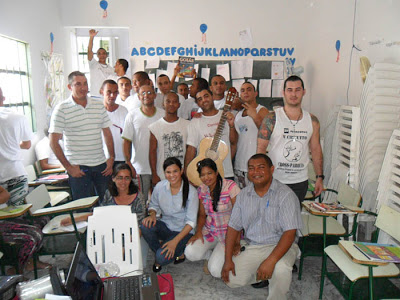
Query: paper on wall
(153, 62)
(265, 88)
(170, 70)
(237, 84)
(254, 82)
(248, 67)
(237, 69)
(152, 77)
(245, 38)
(223, 70)
(277, 87)
(205, 73)
(277, 70)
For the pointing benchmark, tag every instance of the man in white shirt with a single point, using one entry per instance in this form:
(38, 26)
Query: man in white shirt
(167, 137)
(99, 70)
(120, 68)
(164, 86)
(137, 134)
(218, 88)
(183, 90)
(46, 157)
(206, 126)
(124, 97)
(117, 114)
(81, 120)
(15, 134)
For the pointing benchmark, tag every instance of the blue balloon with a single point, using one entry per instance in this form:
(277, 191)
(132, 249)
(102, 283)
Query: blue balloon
(51, 37)
(104, 4)
(203, 28)
(337, 45)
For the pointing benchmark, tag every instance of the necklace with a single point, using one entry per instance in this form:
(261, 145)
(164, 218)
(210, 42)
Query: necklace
(294, 124)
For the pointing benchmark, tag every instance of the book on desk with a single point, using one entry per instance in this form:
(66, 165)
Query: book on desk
(379, 252)
(331, 208)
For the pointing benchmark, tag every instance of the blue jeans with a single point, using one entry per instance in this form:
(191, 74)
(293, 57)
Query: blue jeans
(161, 232)
(92, 184)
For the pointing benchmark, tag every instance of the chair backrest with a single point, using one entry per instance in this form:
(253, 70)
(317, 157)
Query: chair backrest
(38, 167)
(348, 196)
(39, 198)
(31, 173)
(113, 236)
(388, 220)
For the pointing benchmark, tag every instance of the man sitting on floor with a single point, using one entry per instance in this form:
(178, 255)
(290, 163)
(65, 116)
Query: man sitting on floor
(269, 213)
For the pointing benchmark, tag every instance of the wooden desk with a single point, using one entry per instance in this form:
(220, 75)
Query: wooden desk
(356, 256)
(10, 212)
(48, 181)
(70, 206)
(52, 171)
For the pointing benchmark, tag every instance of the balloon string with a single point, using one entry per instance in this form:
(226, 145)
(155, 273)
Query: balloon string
(51, 49)
(338, 55)
(105, 14)
(204, 38)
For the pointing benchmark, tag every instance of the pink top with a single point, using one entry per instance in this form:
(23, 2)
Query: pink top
(217, 222)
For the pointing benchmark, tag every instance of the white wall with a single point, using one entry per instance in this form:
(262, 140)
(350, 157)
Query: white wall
(31, 22)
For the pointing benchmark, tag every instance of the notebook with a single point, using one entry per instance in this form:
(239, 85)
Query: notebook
(84, 283)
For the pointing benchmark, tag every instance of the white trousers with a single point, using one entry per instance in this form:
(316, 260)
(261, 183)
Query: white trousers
(214, 252)
(248, 261)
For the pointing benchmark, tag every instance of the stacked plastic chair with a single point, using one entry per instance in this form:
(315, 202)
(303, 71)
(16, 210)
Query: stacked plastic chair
(389, 180)
(379, 116)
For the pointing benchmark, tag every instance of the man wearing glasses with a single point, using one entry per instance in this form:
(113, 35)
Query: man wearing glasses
(136, 133)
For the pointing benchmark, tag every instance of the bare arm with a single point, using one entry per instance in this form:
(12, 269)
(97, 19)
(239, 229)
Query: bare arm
(265, 132)
(153, 159)
(25, 145)
(316, 154)
(110, 147)
(230, 241)
(233, 135)
(190, 154)
(176, 72)
(266, 269)
(73, 170)
(4, 195)
(92, 34)
(44, 164)
(128, 155)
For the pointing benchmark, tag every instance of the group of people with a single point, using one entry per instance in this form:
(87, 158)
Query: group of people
(139, 143)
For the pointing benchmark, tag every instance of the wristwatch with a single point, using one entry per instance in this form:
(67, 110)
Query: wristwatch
(320, 176)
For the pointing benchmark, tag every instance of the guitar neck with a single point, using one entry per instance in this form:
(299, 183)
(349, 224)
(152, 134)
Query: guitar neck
(220, 129)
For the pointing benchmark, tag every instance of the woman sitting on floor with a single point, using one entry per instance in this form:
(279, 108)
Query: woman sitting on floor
(177, 202)
(217, 197)
(122, 191)
(27, 237)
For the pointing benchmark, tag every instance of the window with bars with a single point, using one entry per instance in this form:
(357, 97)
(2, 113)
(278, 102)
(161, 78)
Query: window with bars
(15, 76)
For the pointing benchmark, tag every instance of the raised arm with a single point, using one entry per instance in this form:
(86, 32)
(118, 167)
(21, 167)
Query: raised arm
(92, 34)
(316, 154)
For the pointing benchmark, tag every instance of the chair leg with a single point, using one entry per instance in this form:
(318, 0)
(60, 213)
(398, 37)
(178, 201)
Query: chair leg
(370, 279)
(35, 258)
(323, 271)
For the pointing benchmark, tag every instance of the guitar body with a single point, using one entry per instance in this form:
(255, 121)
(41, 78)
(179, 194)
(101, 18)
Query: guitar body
(206, 152)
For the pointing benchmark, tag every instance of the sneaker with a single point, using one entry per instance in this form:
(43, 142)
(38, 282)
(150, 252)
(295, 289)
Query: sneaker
(261, 284)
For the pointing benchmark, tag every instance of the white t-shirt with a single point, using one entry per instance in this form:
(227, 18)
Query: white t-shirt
(130, 103)
(81, 128)
(188, 107)
(171, 141)
(14, 128)
(137, 131)
(117, 118)
(206, 126)
(98, 73)
(247, 142)
(43, 151)
(289, 147)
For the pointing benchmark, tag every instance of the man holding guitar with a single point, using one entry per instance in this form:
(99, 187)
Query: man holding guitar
(211, 125)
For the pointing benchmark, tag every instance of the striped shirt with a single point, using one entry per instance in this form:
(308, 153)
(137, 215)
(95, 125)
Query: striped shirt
(265, 219)
(81, 128)
(217, 221)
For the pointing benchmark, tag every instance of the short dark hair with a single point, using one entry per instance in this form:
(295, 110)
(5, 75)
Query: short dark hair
(182, 83)
(293, 78)
(203, 84)
(126, 78)
(207, 89)
(185, 191)
(217, 75)
(124, 63)
(163, 75)
(112, 187)
(248, 82)
(173, 93)
(101, 48)
(142, 75)
(74, 74)
(263, 156)
(108, 81)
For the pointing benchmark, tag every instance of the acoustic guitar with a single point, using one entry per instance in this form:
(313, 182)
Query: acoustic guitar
(213, 147)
